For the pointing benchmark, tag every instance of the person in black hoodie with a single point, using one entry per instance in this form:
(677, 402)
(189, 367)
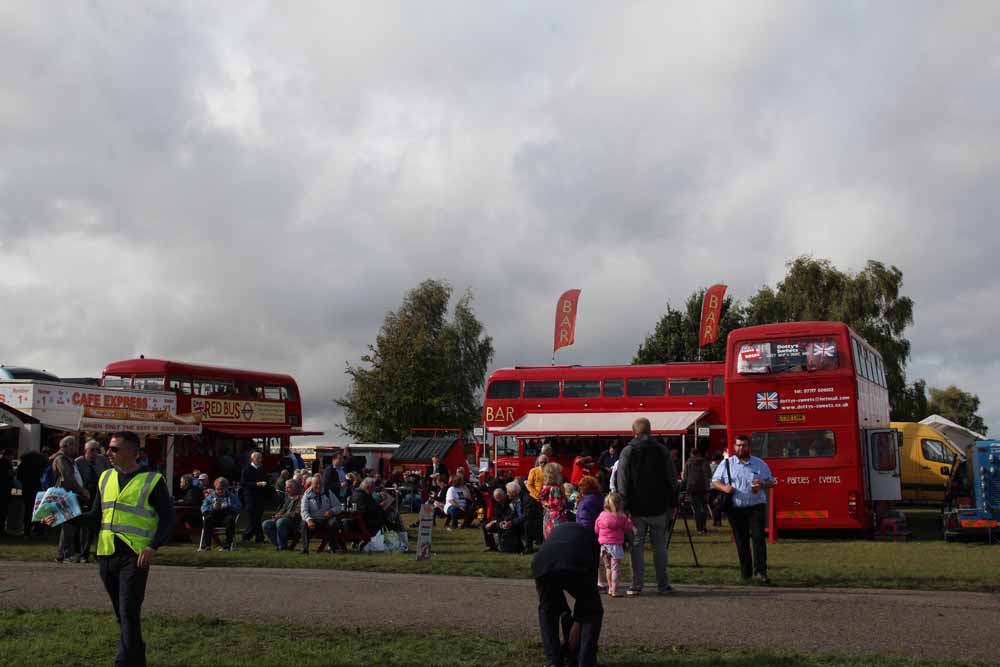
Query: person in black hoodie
(647, 480)
(567, 563)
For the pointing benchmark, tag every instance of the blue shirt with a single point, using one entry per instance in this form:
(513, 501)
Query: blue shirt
(743, 475)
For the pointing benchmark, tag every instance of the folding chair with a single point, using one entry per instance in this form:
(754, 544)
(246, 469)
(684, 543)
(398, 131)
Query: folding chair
(218, 534)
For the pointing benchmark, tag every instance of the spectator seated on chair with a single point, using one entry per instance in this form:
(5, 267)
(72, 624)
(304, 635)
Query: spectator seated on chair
(438, 496)
(456, 502)
(189, 494)
(219, 510)
(287, 519)
(320, 508)
(366, 505)
(502, 528)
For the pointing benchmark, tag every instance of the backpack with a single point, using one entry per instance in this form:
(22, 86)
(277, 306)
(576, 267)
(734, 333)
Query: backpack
(48, 477)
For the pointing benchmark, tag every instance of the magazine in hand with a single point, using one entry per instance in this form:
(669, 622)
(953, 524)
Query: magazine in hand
(57, 502)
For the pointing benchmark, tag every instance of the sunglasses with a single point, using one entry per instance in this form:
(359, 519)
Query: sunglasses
(115, 450)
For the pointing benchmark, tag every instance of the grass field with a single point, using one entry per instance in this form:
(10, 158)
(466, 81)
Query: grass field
(28, 638)
(926, 562)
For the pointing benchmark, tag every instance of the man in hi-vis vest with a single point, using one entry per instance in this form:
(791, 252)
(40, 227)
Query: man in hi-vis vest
(136, 515)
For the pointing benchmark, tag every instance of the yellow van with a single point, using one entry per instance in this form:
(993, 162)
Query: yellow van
(926, 459)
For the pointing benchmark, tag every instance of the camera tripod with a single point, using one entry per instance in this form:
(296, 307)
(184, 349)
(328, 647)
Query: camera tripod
(682, 509)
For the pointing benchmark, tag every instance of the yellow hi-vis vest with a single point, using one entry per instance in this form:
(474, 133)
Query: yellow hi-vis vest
(126, 513)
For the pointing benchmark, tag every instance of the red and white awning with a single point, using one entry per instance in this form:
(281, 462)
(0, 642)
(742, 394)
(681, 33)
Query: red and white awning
(600, 423)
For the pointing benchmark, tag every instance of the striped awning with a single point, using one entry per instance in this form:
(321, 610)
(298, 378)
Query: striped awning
(600, 423)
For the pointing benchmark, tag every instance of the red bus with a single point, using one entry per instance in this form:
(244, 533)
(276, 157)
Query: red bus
(813, 398)
(239, 411)
(576, 408)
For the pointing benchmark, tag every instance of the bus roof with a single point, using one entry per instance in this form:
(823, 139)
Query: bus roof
(143, 366)
(788, 329)
(677, 369)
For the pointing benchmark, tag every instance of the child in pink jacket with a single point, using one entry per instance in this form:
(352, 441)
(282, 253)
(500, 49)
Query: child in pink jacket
(611, 527)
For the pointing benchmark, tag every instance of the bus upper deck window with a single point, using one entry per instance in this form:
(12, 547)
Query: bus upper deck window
(544, 389)
(581, 388)
(647, 386)
(504, 389)
(614, 388)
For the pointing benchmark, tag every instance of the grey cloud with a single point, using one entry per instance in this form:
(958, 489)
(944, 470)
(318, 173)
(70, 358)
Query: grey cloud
(235, 185)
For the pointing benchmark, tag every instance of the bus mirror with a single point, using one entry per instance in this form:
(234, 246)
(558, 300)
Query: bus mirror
(945, 470)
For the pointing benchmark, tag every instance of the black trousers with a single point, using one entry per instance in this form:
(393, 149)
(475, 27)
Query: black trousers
(255, 511)
(748, 526)
(4, 504)
(28, 505)
(553, 611)
(216, 519)
(125, 583)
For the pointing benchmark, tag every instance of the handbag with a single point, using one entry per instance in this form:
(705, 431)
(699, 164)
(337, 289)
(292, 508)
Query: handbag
(723, 502)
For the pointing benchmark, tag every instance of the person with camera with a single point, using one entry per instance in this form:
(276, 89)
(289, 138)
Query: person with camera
(745, 480)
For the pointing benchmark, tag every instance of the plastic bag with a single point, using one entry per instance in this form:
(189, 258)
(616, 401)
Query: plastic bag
(376, 545)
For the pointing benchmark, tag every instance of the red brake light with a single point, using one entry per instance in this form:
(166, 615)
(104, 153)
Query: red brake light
(852, 503)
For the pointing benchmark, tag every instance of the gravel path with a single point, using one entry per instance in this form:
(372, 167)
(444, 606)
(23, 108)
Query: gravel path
(920, 624)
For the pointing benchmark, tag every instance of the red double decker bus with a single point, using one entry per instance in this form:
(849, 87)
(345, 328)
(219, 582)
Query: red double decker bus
(239, 410)
(813, 398)
(579, 408)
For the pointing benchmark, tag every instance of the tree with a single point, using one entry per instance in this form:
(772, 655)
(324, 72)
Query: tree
(675, 337)
(423, 370)
(958, 406)
(912, 403)
(869, 302)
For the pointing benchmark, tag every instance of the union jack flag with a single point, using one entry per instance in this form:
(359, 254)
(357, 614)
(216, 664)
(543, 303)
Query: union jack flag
(824, 349)
(767, 400)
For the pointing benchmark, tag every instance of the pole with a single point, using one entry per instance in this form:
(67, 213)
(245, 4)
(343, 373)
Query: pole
(683, 449)
(170, 463)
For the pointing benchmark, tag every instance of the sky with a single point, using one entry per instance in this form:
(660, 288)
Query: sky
(257, 184)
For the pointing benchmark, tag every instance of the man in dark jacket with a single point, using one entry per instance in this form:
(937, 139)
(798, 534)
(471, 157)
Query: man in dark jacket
(29, 474)
(647, 480)
(528, 515)
(6, 483)
(257, 489)
(367, 507)
(567, 563)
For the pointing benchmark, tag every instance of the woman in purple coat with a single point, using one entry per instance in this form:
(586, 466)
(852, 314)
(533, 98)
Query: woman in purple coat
(591, 502)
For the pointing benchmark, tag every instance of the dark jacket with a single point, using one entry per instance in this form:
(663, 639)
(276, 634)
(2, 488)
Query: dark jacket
(90, 473)
(249, 481)
(193, 495)
(646, 478)
(370, 511)
(588, 508)
(569, 549)
(29, 472)
(697, 473)
(65, 469)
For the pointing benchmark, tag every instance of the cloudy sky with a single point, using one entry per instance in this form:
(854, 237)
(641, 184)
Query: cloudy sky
(256, 184)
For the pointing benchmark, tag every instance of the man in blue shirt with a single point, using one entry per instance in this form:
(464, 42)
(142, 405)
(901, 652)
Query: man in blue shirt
(746, 477)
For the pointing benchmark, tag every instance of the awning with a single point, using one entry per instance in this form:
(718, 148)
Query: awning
(599, 423)
(259, 430)
(958, 435)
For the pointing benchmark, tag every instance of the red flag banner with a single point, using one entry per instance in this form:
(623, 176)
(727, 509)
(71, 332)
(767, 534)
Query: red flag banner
(566, 319)
(711, 310)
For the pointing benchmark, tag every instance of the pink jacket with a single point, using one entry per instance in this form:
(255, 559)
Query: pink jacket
(611, 528)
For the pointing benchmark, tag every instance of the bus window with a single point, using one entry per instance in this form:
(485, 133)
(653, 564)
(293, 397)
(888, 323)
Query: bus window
(117, 381)
(148, 384)
(883, 451)
(614, 388)
(793, 355)
(689, 387)
(531, 447)
(647, 386)
(719, 385)
(213, 387)
(504, 389)
(182, 385)
(288, 393)
(541, 389)
(793, 444)
(506, 445)
(581, 388)
(272, 392)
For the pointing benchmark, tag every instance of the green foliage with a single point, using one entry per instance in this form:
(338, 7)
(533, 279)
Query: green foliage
(675, 337)
(870, 302)
(912, 404)
(423, 370)
(958, 406)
